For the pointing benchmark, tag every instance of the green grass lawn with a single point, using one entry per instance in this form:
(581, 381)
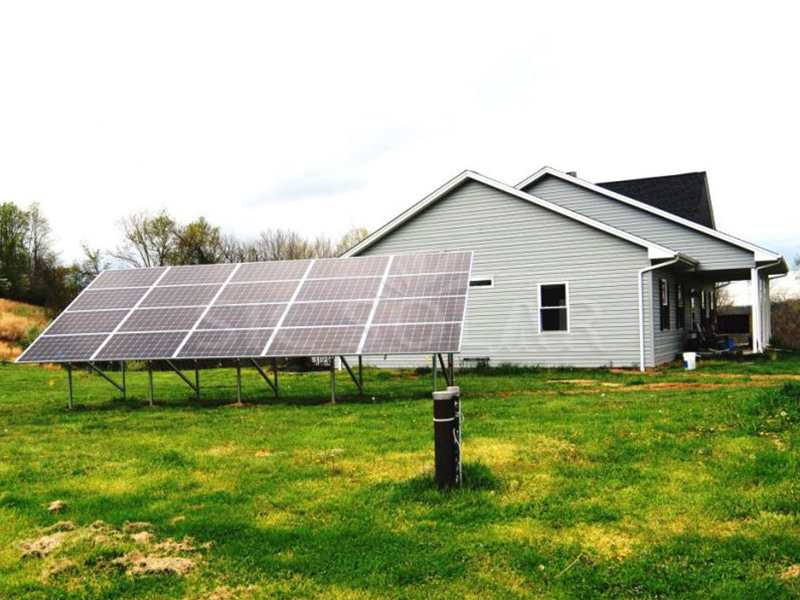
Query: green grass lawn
(579, 484)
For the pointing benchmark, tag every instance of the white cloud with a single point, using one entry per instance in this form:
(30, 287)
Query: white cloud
(321, 116)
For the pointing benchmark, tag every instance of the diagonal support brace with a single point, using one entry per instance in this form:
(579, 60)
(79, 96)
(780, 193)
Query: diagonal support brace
(357, 380)
(102, 374)
(266, 378)
(448, 374)
(182, 376)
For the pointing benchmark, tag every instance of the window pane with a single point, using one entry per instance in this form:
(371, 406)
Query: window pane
(553, 319)
(554, 295)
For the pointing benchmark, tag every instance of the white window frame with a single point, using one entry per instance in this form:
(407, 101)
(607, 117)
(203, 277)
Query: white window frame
(539, 309)
(481, 287)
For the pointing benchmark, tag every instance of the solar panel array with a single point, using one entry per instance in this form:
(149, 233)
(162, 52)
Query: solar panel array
(408, 303)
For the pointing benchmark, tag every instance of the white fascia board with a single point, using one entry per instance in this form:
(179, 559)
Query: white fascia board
(655, 251)
(761, 254)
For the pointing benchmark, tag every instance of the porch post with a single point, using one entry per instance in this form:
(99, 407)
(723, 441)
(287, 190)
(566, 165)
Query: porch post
(756, 310)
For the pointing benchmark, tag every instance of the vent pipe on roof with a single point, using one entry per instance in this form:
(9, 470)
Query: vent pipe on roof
(572, 173)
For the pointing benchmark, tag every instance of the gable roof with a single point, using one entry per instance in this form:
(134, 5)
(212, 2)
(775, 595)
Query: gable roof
(761, 254)
(655, 251)
(685, 195)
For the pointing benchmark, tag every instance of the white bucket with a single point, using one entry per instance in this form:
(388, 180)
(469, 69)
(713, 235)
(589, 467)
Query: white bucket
(690, 361)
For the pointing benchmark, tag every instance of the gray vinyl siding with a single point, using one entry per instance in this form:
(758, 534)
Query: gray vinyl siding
(521, 246)
(710, 251)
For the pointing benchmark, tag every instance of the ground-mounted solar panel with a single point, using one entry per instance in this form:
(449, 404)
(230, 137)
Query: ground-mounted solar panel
(309, 314)
(447, 309)
(181, 295)
(241, 343)
(257, 293)
(415, 286)
(95, 321)
(352, 288)
(242, 317)
(162, 319)
(64, 348)
(372, 305)
(197, 274)
(136, 346)
(413, 339)
(315, 341)
(271, 271)
(106, 299)
(127, 278)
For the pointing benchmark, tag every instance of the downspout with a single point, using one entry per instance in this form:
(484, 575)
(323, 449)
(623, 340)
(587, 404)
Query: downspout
(641, 305)
(758, 342)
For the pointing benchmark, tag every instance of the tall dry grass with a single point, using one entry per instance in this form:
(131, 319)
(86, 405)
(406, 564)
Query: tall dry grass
(18, 323)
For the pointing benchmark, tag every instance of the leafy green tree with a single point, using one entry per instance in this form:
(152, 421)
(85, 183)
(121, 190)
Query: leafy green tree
(14, 260)
(198, 243)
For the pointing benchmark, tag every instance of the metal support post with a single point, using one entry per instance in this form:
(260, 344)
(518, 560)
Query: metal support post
(196, 381)
(150, 381)
(447, 437)
(333, 380)
(238, 383)
(124, 383)
(433, 365)
(275, 374)
(355, 379)
(69, 386)
(452, 369)
(361, 373)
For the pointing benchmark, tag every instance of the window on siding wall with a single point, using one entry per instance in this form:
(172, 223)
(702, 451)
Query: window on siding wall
(482, 282)
(664, 304)
(679, 312)
(693, 308)
(553, 307)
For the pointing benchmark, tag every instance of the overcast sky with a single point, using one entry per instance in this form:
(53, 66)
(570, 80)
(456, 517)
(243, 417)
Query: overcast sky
(320, 117)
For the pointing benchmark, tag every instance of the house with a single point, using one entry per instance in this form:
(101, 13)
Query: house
(568, 272)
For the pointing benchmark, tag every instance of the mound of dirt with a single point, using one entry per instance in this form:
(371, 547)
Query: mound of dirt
(42, 546)
(60, 526)
(792, 572)
(144, 538)
(138, 563)
(57, 506)
(136, 526)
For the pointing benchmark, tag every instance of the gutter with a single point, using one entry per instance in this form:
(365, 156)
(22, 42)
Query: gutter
(677, 258)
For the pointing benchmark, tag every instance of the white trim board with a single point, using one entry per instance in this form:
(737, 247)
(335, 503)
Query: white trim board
(655, 251)
(761, 254)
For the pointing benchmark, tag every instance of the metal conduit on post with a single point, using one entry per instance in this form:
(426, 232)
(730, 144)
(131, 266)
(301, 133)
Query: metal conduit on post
(447, 437)
(69, 385)
(333, 380)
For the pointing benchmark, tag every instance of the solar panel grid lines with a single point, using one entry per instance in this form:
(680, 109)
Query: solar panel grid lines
(242, 316)
(125, 318)
(229, 276)
(288, 307)
(229, 343)
(378, 295)
(140, 346)
(324, 306)
(328, 313)
(466, 301)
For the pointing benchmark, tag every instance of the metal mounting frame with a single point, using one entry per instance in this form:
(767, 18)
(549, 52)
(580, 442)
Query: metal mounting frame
(359, 381)
(273, 385)
(99, 371)
(448, 370)
(195, 386)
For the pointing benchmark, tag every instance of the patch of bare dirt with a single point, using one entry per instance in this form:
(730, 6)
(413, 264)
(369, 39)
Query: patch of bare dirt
(136, 526)
(60, 526)
(138, 563)
(57, 506)
(145, 538)
(170, 546)
(62, 565)
(792, 572)
(43, 546)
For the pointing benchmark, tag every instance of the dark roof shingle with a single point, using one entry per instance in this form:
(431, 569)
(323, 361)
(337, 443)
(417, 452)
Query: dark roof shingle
(685, 195)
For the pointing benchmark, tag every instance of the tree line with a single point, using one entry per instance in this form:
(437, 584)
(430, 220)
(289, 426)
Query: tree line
(31, 271)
